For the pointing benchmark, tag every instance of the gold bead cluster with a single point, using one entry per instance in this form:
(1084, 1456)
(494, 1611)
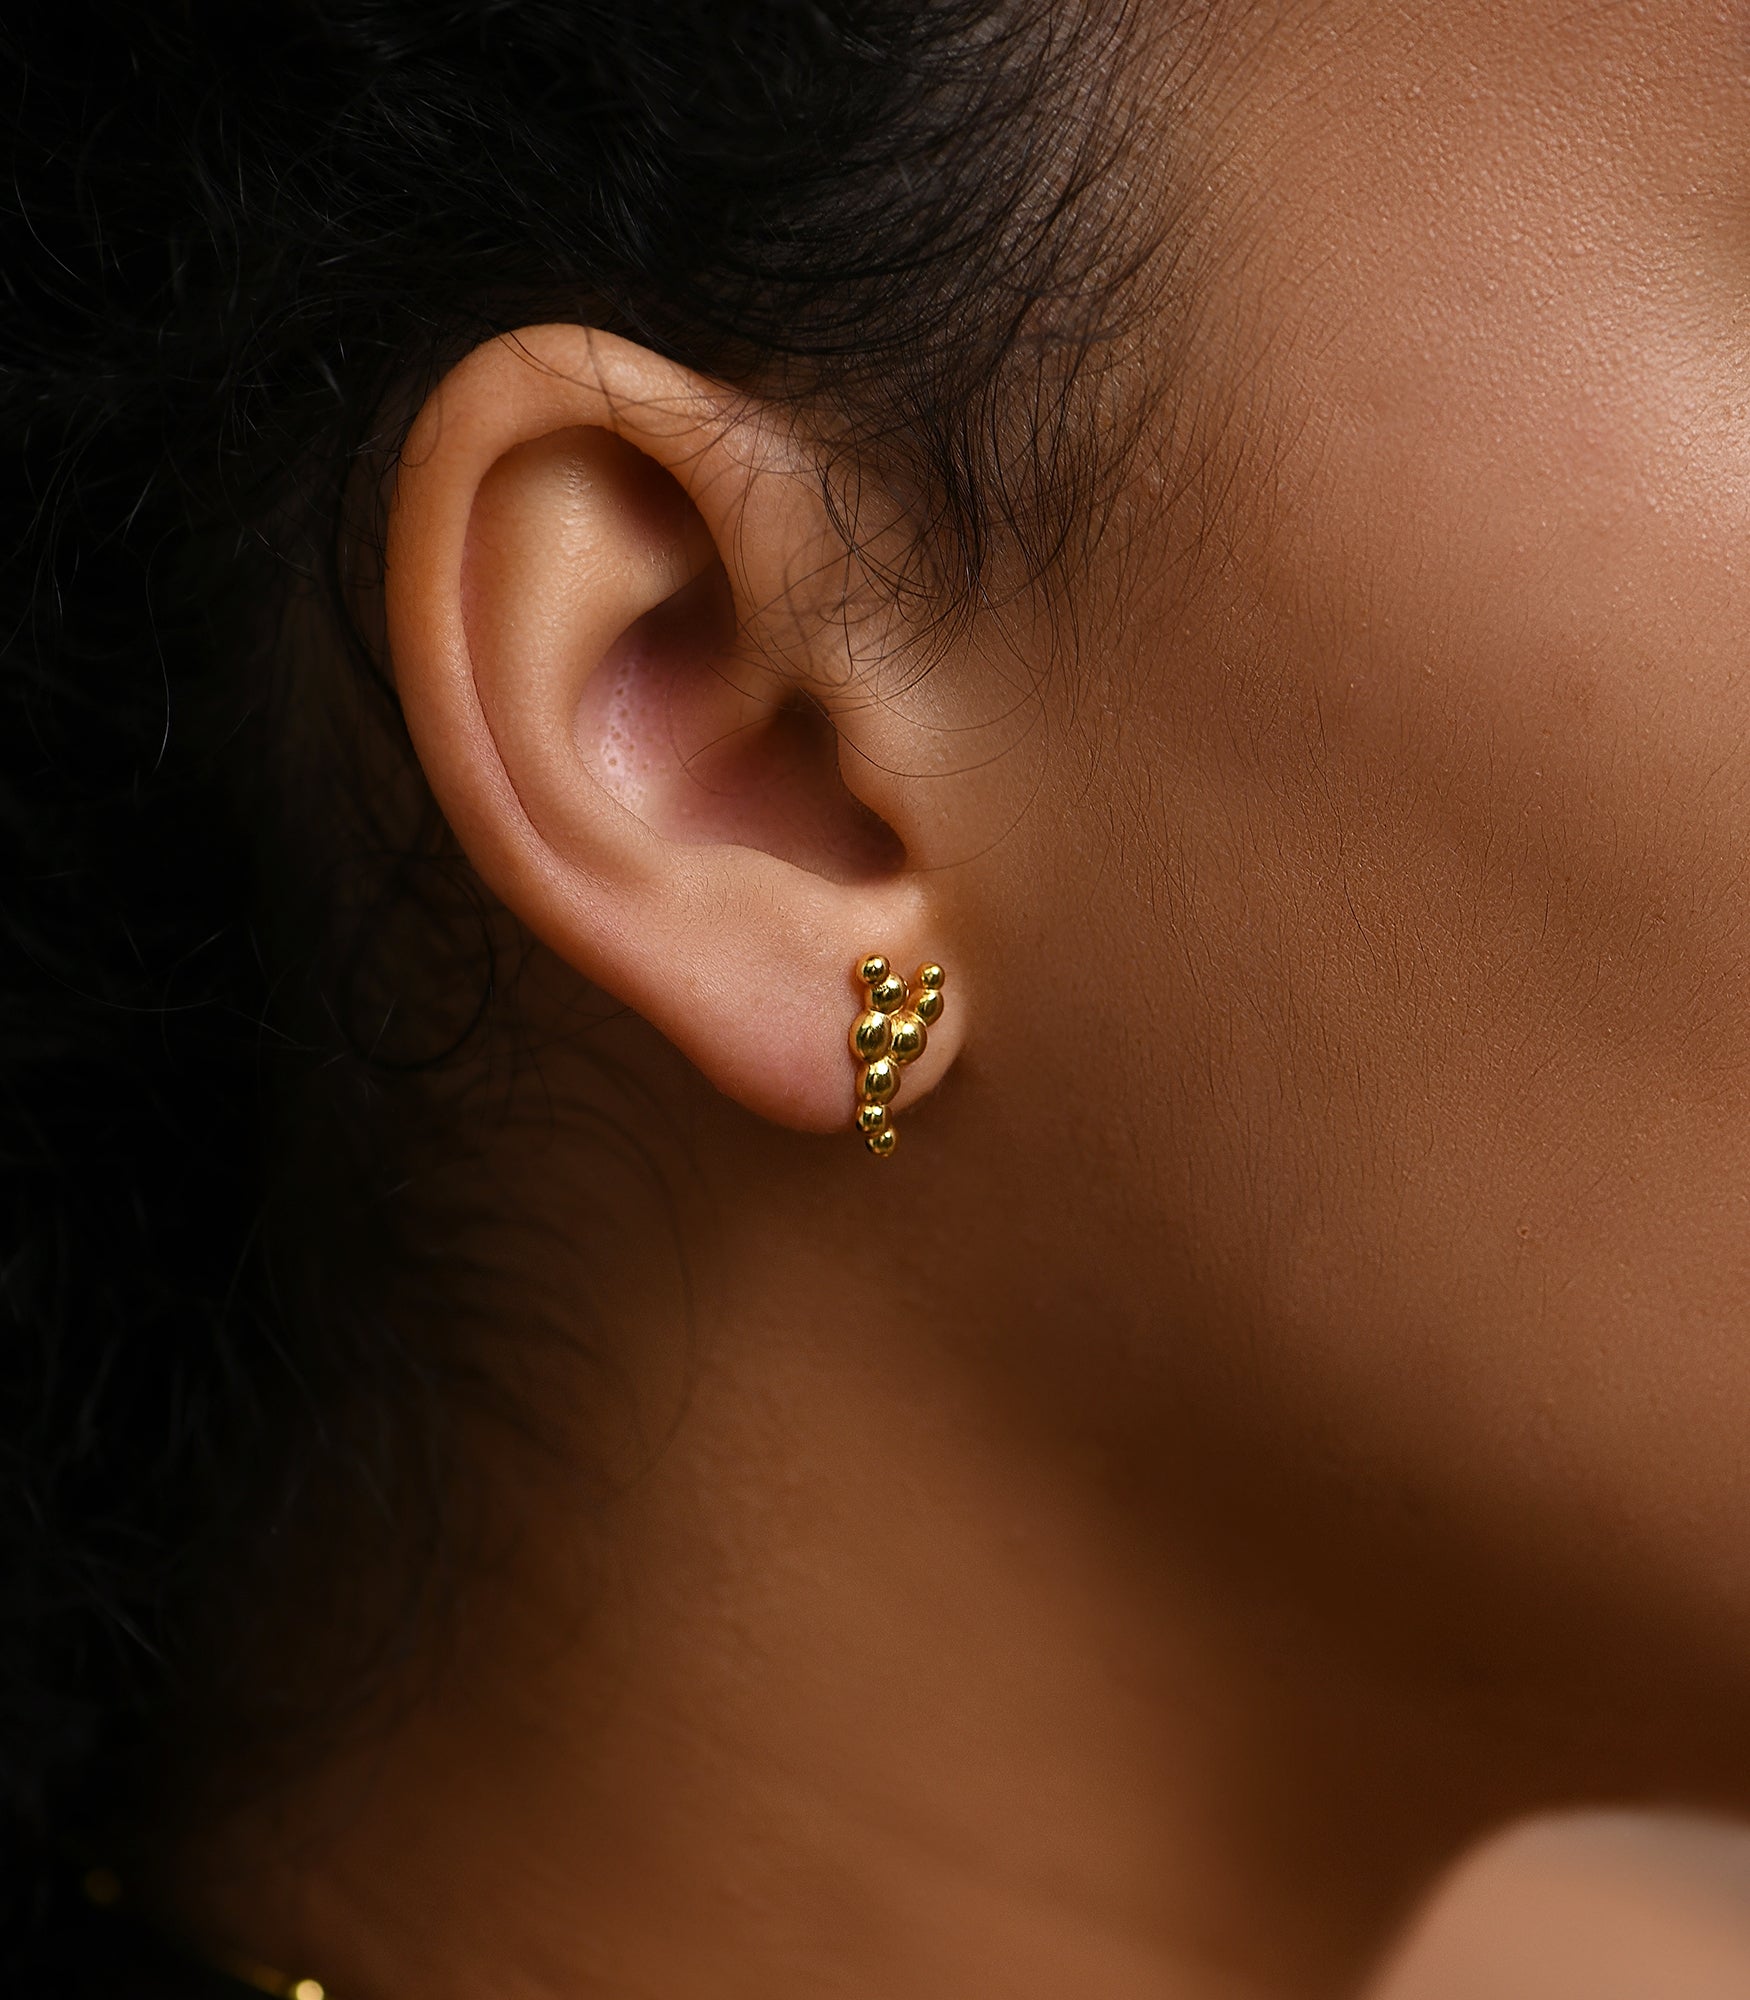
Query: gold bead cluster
(889, 1033)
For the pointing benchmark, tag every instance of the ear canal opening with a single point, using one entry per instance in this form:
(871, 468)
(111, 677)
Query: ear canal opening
(708, 747)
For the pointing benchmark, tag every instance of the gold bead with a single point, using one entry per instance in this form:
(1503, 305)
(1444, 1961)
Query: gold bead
(906, 1038)
(870, 1036)
(891, 1030)
(887, 995)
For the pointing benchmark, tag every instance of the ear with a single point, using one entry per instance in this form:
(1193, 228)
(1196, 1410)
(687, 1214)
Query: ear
(614, 616)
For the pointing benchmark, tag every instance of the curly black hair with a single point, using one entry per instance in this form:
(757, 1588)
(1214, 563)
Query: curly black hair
(239, 244)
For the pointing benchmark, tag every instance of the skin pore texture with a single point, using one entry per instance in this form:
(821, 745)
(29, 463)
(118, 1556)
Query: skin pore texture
(1281, 1413)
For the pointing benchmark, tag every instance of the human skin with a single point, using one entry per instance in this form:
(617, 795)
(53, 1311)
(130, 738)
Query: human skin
(1586, 1906)
(1281, 1411)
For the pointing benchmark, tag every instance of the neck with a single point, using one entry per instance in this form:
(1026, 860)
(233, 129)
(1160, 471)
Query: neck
(872, 1681)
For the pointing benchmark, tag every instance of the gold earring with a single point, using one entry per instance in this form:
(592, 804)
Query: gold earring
(890, 1032)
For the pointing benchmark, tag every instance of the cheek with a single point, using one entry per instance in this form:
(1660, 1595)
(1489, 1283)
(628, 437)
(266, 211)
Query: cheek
(1458, 924)
(1501, 607)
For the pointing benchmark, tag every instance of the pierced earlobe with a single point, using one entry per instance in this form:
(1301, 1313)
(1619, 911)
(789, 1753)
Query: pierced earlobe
(890, 1032)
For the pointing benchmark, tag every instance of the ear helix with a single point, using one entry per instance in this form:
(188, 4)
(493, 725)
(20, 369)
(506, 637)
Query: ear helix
(890, 1032)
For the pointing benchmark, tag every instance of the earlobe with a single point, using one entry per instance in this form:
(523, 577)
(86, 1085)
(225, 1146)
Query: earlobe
(627, 716)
